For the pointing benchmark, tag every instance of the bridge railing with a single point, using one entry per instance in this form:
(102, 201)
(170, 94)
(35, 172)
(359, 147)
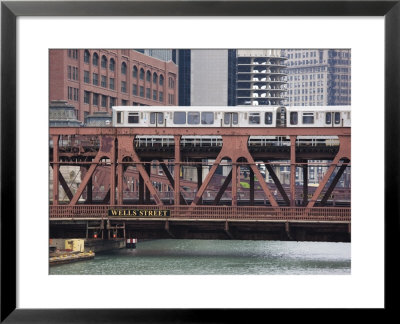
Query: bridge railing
(205, 212)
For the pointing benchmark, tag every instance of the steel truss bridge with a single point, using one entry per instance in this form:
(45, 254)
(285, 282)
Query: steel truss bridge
(126, 169)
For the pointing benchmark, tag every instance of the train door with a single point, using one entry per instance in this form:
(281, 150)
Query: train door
(281, 117)
(157, 119)
(231, 119)
(333, 119)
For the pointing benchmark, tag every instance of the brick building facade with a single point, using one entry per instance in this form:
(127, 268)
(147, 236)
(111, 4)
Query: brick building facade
(94, 80)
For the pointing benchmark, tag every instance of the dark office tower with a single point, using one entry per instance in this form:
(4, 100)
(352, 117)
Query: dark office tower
(232, 77)
(184, 68)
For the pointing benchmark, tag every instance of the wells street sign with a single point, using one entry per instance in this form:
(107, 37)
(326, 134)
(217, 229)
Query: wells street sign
(139, 213)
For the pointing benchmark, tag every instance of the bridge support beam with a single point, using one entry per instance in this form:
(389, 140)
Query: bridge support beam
(235, 148)
(199, 168)
(305, 182)
(223, 188)
(292, 171)
(251, 173)
(171, 180)
(126, 149)
(344, 153)
(56, 169)
(277, 183)
(334, 182)
(177, 169)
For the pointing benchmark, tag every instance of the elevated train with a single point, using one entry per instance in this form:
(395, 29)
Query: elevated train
(233, 116)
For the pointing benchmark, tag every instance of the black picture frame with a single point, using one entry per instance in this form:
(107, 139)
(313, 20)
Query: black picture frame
(10, 10)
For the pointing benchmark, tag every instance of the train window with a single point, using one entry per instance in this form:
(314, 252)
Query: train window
(328, 118)
(308, 118)
(254, 118)
(235, 118)
(119, 117)
(268, 118)
(207, 118)
(160, 117)
(227, 118)
(152, 118)
(293, 118)
(179, 117)
(133, 118)
(337, 118)
(193, 118)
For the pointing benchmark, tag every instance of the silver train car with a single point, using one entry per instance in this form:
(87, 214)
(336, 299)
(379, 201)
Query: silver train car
(231, 116)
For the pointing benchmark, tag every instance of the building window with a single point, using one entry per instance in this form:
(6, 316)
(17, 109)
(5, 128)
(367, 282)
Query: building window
(103, 62)
(112, 64)
(69, 72)
(95, 59)
(148, 93)
(171, 83)
(161, 80)
(86, 57)
(86, 77)
(104, 81)
(134, 89)
(141, 91)
(112, 84)
(123, 86)
(148, 76)
(95, 79)
(155, 77)
(171, 99)
(86, 97)
(95, 99)
(112, 102)
(76, 94)
(141, 76)
(69, 93)
(154, 94)
(161, 96)
(104, 101)
(134, 72)
(123, 68)
(124, 102)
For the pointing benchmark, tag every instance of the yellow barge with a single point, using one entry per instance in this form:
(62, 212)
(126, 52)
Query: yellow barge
(64, 258)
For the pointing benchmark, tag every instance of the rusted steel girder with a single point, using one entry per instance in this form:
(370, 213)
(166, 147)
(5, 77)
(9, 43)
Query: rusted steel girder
(235, 148)
(277, 183)
(171, 180)
(222, 131)
(292, 170)
(126, 149)
(223, 188)
(343, 153)
(56, 168)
